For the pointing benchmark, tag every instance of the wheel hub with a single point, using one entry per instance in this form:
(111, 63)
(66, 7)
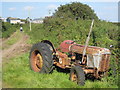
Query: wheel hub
(39, 61)
(74, 77)
(36, 61)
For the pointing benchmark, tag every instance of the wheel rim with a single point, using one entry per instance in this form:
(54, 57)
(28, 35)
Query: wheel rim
(74, 77)
(36, 61)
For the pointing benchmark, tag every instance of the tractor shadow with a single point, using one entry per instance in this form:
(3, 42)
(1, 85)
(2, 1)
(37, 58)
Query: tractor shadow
(91, 78)
(58, 69)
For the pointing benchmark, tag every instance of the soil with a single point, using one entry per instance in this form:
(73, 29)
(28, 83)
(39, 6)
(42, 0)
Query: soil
(18, 48)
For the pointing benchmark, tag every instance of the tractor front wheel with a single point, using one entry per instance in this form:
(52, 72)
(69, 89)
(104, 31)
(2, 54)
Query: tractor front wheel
(77, 75)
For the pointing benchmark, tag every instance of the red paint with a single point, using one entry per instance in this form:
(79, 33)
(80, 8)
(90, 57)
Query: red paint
(64, 46)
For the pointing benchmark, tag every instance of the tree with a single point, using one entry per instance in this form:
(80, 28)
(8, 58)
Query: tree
(75, 10)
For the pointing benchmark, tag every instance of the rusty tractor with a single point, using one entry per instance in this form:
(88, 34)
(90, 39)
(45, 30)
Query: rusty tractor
(69, 55)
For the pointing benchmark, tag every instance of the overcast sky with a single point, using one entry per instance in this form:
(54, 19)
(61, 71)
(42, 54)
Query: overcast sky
(105, 9)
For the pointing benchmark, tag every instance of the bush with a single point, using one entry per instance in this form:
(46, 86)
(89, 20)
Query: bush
(8, 29)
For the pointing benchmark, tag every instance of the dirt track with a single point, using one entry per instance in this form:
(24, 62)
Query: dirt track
(18, 48)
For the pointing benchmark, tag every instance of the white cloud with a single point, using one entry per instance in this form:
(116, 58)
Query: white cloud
(52, 6)
(12, 8)
(28, 7)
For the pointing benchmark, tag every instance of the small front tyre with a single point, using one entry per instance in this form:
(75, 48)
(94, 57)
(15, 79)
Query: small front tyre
(77, 75)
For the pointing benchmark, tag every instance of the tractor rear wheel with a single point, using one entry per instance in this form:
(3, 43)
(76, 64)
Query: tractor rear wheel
(77, 75)
(41, 58)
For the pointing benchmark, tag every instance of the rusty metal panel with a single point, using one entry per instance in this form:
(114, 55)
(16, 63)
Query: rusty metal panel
(104, 64)
(63, 58)
(108, 62)
(97, 59)
(93, 60)
(90, 62)
(88, 71)
(89, 50)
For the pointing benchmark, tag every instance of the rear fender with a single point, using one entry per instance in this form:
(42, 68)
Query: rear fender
(50, 43)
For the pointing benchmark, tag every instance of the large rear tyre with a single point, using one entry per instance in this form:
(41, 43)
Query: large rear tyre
(41, 58)
(77, 75)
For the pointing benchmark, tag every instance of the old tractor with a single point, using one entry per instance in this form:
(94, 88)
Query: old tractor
(69, 55)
